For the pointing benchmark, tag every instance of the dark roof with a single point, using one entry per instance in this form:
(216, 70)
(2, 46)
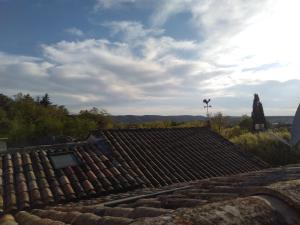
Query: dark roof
(181, 154)
(268, 197)
(119, 161)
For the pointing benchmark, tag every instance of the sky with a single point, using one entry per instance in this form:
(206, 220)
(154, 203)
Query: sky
(153, 57)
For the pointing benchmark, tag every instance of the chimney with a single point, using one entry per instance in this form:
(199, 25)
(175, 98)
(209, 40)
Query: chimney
(3, 145)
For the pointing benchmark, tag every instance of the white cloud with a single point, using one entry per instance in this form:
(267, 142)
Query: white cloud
(101, 72)
(107, 4)
(75, 31)
(146, 71)
(23, 66)
(243, 34)
(132, 30)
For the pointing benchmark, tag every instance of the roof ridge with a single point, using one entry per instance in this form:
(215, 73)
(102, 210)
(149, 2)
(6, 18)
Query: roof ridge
(151, 128)
(33, 147)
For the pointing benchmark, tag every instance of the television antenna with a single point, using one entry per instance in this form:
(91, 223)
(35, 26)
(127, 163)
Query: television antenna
(207, 106)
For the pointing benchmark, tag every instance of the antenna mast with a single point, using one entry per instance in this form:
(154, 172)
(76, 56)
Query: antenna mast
(207, 106)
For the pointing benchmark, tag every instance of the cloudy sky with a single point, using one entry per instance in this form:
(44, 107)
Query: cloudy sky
(153, 57)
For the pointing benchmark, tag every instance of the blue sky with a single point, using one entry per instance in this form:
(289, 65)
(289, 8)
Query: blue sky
(153, 57)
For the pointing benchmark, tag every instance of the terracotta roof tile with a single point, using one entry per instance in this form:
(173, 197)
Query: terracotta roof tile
(8, 219)
(129, 159)
(268, 196)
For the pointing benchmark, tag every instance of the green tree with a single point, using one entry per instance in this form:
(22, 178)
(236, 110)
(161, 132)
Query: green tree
(102, 118)
(4, 122)
(25, 121)
(246, 123)
(268, 148)
(45, 101)
(5, 102)
(218, 122)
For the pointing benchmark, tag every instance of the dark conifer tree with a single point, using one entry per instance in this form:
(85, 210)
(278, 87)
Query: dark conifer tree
(258, 116)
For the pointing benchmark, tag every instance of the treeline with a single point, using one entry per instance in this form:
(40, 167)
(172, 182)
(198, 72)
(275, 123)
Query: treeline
(268, 148)
(25, 120)
(262, 144)
(165, 124)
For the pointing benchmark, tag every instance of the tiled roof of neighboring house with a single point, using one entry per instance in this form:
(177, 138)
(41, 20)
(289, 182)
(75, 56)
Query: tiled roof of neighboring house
(266, 197)
(179, 154)
(30, 179)
(118, 161)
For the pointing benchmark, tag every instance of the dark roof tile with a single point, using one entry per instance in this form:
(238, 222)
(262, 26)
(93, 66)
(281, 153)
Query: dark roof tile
(128, 159)
(7, 219)
(86, 219)
(26, 218)
(148, 212)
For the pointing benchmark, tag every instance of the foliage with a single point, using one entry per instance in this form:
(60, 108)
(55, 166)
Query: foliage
(218, 122)
(268, 148)
(45, 100)
(164, 124)
(101, 118)
(25, 121)
(246, 123)
(196, 123)
(231, 132)
(263, 145)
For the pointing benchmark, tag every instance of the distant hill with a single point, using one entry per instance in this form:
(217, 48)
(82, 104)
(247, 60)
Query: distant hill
(280, 119)
(133, 119)
(285, 120)
(150, 118)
